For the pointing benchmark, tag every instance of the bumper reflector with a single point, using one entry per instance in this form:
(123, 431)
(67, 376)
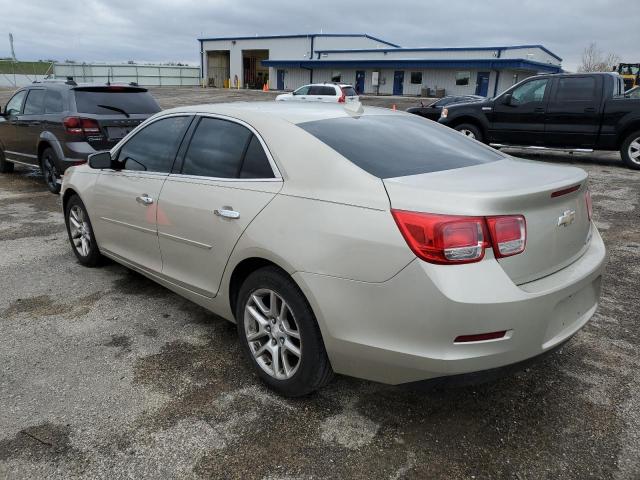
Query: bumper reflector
(480, 337)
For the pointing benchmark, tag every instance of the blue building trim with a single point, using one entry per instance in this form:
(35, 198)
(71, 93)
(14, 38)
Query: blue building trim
(494, 64)
(445, 49)
(267, 37)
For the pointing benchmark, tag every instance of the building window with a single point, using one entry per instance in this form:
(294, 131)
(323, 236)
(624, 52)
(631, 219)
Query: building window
(416, 78)
(462, 78)
(335, 77)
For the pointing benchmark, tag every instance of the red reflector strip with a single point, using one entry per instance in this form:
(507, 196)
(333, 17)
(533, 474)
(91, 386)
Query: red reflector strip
(565, 191)
(480, 337)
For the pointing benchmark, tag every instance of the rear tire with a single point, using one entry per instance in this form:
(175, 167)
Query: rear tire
(630, 151)
(81, 236)
(48, 161)
(5, 166)
(470, 131)
(274, 317)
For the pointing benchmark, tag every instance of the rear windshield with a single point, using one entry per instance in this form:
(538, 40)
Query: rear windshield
(390, 146)
(349, 91)
(115, 101)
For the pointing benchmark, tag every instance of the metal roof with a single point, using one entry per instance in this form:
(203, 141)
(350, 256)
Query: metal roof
(306, 35)
(492, 64)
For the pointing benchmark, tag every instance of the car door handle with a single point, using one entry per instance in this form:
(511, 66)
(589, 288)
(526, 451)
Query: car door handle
(144, 199)
(589, 110)
(539, 110)
(227, 212)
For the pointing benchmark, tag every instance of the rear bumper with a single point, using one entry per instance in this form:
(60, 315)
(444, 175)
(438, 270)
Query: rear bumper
(403, 330)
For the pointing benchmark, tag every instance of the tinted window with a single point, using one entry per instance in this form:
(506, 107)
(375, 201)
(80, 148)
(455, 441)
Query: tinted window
(462, 78)
(532, 91)
(416, 77)
(349, 91)
(579, 89)
(256, 164)
(14, 105)
(153, 149)
(216, 149)
(35, 102)
(395, 146)
(53, 102)
(114, 100)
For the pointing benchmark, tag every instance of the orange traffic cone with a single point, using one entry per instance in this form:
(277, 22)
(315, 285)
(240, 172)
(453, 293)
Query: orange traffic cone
(265, 88)
(394, 107)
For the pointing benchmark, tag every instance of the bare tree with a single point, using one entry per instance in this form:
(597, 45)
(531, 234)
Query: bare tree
(594, 60)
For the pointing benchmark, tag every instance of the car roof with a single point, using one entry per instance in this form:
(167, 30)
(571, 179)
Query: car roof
(291, 112)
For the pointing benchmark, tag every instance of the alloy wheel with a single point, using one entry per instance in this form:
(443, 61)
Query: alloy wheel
(467, 133)
(634, 151)
(50, 173)
(272, 334)
(80, 231)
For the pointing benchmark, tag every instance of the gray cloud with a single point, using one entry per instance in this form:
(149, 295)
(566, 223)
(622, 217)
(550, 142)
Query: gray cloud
(163, 30)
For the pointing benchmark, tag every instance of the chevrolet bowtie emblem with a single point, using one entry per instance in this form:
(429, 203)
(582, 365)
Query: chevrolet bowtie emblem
(567, 218)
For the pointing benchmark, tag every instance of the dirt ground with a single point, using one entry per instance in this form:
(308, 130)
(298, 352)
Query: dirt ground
(104, 374)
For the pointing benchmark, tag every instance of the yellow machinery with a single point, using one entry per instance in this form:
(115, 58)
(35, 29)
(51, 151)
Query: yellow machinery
(630, 73)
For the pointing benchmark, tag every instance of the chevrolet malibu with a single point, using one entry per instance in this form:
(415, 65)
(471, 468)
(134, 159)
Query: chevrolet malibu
(353, 240)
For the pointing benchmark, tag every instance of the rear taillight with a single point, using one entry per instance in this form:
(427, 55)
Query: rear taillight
(343, 97)
(508, 234)
(443, 239)
(587, 198)
(452, 239)
(81, 126)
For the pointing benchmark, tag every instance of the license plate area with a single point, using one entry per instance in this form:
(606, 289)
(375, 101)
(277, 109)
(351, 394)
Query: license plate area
(117, 132)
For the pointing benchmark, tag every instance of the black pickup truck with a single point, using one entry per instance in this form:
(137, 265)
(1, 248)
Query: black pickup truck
(577, 112)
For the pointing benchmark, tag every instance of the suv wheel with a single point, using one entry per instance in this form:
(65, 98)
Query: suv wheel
(279, 334)
(48, 162)
(81, 236)
(630, 151)
(469, 130)
(5, 166)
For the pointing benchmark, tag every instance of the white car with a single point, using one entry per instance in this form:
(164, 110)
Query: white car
(359, 241)
(321, 92)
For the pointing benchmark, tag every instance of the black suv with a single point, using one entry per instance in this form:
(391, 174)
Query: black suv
(57, 124)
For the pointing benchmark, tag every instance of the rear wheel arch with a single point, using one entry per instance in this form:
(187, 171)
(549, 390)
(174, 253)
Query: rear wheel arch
(42, 146)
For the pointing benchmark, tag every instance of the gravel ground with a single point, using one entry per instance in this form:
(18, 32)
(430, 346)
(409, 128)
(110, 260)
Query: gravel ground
(104, 374)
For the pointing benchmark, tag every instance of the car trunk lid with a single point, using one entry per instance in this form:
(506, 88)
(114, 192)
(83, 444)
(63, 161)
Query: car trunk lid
(550, 197)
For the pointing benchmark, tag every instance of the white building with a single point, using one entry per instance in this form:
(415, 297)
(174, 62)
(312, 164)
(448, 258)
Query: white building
(372, 65)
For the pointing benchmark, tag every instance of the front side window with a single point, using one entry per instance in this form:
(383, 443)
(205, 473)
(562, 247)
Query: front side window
(532, 91)
(15, 104)
(154, 148)
(302, 90)
(462, 78)
(395, 146)
(577, 89)
(635, 93)
(416, 78)
(35, 102)
(216, 149)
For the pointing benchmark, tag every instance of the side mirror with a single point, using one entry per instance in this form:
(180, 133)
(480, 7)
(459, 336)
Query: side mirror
(506, 99)
(100, 160)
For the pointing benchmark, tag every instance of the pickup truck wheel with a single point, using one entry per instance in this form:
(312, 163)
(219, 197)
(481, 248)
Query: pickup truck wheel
(49, 170)
(470, 131)
(630, 151)
(5, 167)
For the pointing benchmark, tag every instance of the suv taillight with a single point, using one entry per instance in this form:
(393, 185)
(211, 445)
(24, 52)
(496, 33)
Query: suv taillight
(81, 126)
(343, 97)
(453, 239)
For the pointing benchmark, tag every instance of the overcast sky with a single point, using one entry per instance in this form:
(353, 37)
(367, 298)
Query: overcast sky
(163, 30)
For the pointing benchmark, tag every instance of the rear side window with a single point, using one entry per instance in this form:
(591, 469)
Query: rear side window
(53, 102)
(154, 148)
(115, 101)
(578, 89)
(35, 102)
(322, 90)
(390, 146)
(216, 149)
(349, 91)
(255, 164)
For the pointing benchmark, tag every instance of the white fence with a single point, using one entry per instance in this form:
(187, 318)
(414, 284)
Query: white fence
(148, 75)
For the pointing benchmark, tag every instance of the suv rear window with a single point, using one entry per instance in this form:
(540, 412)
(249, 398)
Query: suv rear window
(349, 91)
(390, 146)
(115, 100)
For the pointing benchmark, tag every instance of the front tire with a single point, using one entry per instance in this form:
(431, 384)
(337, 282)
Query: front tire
(630, 151)
(81, 236)
(470, 130)
(5, 166)
(279, 334)
(48, 162)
